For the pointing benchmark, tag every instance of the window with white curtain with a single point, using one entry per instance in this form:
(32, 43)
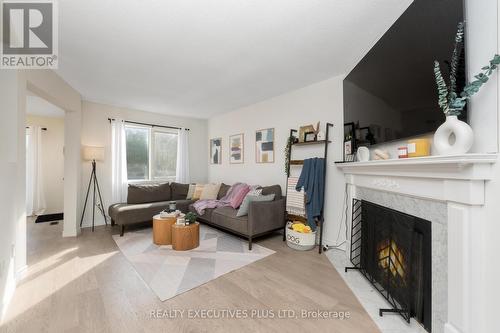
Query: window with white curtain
(151, 153)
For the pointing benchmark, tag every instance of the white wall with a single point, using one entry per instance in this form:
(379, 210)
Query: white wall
(319, 102)
(483, 41)
(72, 173)
(52, 161)
(96, 131)
(9, 207)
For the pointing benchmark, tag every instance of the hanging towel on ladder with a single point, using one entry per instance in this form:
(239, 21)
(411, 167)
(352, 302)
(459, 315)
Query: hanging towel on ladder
(295, 201)
(312, 180)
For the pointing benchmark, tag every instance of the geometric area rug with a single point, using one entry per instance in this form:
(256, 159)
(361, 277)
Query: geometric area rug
(169, 273)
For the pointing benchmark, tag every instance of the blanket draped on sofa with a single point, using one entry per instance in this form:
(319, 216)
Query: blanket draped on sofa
(201, 205)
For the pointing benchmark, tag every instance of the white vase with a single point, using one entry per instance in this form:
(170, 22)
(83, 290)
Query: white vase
(363, 154)
(454, 137)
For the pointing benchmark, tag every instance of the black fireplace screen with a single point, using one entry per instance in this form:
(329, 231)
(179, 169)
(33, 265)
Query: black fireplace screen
(393, 251)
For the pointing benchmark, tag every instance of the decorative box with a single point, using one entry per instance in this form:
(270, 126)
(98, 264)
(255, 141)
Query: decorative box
(419, 147)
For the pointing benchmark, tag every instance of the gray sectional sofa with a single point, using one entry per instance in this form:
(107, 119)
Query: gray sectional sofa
(145, 201)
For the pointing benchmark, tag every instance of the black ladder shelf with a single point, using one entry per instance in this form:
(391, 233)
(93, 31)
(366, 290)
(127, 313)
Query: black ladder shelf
(321, 219)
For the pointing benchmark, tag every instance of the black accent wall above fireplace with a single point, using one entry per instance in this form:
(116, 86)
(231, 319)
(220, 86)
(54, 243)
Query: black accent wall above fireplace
(393, 251)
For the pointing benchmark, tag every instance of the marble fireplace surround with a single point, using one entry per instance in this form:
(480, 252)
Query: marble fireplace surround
(444, 190)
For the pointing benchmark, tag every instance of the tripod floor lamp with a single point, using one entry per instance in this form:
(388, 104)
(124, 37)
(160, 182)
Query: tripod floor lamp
(93, 154)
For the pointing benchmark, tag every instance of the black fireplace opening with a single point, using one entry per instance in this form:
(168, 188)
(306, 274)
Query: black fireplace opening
(393, 251)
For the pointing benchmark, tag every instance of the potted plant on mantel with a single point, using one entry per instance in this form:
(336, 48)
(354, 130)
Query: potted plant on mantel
(452, 104)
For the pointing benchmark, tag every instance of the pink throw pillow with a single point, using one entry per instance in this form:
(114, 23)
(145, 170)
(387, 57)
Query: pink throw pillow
(238, 198)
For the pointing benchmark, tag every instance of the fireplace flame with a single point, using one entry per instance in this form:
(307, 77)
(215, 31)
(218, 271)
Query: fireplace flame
(391, 257)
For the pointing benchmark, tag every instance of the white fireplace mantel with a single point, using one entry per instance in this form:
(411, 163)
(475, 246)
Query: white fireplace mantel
(457, 178)
(459, 181)
(469, 166)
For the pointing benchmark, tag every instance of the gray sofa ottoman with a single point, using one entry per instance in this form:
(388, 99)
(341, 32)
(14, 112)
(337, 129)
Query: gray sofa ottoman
(146, 200)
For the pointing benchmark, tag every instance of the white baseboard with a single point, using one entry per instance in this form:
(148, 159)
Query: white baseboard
(449, 328)
(21, 273)
(332, 244)
(69, 233)
(10, 288)
(97, 222)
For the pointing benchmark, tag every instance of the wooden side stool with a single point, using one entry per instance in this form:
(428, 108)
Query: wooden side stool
(162, 230)
(185, 238)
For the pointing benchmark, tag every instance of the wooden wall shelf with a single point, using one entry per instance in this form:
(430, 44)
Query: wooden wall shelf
(319, 142)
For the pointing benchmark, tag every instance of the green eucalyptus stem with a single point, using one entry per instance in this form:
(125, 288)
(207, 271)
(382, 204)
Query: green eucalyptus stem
(442, 88)
(457, 51)
(448, 99)
(473, 87)
(289, 143)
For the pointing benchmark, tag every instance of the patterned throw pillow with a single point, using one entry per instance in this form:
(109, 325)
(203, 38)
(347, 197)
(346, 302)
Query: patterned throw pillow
(192, 187)
(197, 191)
(210, 192)
(245, 206)
(255, 192)
(238, 197)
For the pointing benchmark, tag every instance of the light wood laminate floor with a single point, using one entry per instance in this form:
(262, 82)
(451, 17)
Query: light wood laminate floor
(85, 284)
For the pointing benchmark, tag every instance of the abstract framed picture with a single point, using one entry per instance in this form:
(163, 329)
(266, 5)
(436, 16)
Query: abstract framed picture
(264, 146)
(236, 149)
(216, 151)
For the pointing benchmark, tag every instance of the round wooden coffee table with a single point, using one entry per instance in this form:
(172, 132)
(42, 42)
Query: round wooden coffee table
(162, 230)
(185, 237)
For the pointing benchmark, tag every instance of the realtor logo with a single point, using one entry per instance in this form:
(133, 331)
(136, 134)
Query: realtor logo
(29, 34)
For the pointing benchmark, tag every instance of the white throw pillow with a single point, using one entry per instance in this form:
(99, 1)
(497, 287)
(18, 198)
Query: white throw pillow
(210, 192)
(192, 187)
(197, 191)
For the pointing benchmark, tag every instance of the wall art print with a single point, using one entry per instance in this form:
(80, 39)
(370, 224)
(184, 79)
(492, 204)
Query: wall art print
(236, 149)
(264, 146)
(216, 151)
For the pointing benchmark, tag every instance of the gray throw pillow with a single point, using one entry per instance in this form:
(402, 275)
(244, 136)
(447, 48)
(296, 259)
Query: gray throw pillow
(245, 205)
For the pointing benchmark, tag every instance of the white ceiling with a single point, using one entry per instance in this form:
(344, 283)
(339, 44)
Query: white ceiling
(37, 106)
(199, 58)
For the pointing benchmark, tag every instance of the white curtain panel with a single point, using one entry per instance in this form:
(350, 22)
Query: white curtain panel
(182, 170)
(118, 161)
(35, 195)
(29, 172)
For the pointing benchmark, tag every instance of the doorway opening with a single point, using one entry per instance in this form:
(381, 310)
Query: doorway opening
(44, 160)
